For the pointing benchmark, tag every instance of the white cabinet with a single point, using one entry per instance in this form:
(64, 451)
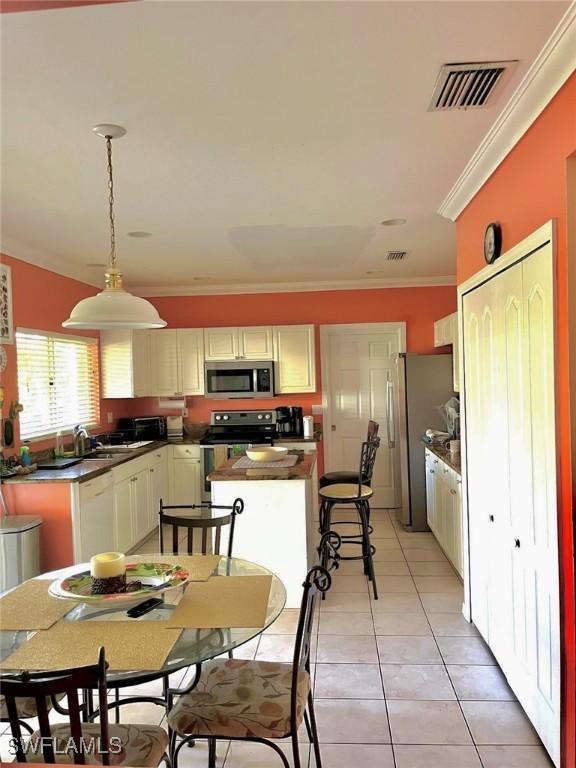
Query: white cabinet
(184, 475)
(158, 483)
(294, 353)
(444, 507)
(140, 502)
(446, 334)
(93, 517)
(125, 361)
(246, 343)
(123, 530)
(307, 447)
(177, 362)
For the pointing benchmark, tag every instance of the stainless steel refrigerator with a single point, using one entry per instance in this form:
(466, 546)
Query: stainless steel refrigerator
(424, 383)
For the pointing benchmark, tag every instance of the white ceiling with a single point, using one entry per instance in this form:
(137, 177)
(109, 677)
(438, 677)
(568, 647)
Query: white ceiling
(266, 140)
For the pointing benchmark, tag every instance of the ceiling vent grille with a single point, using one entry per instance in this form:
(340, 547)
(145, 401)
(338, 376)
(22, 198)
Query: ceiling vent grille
(469, 86)
(396, 255)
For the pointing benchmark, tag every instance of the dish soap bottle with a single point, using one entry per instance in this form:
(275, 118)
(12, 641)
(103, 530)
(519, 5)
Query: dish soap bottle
(25, 456)
(59, 447)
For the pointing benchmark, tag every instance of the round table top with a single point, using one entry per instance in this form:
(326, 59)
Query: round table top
(192, 647)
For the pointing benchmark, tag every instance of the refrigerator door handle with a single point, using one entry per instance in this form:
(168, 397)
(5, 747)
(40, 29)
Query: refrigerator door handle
(390, 414)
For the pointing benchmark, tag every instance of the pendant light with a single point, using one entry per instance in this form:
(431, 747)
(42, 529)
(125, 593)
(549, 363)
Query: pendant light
(113, 307)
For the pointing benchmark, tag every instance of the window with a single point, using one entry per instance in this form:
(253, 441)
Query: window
(58, 382)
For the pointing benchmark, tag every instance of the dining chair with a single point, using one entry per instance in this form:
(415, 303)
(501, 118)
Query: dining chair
(140, 746)
(26, 709)
(257, 701)
(201, 525)
(348, 476)
(357, 494)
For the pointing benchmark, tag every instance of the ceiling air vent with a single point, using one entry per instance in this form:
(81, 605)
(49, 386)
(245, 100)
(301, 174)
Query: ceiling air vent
(396, 255)
(472, 85)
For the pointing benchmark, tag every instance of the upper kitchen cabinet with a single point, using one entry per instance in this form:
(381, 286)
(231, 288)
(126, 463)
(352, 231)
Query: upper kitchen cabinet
(125, 357)
(294, 353)
(177, 362)
(249, 343)
(446, 334)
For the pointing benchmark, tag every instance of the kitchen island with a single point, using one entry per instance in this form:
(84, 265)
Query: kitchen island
(277, 527)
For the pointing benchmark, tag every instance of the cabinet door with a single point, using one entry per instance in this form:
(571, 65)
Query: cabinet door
(456, 353)
(140, 501)
(123, 533)
(141, 360)
(294, 352)
(221, 344)
(185, 483)
(191, 361)
(255, 343)
(94, 520)
(164, 362)
(158, 489)
(116, 363)
(430, 492)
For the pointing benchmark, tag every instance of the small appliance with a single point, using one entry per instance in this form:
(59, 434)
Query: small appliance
(175, 427)
(136, 428)
(239, 379)
(289, 422)
(308, 427)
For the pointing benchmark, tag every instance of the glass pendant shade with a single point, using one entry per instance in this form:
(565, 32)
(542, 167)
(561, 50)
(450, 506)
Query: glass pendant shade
(114, 309)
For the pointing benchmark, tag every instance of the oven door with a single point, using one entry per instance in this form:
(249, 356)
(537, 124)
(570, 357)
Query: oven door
(239, 380)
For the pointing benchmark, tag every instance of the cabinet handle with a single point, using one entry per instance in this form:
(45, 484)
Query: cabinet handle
(517, 543)
(435, 461)
(151, 470)
(452, 491)
(459, 482)
(491, 518)
(431, 471)
(445, 471)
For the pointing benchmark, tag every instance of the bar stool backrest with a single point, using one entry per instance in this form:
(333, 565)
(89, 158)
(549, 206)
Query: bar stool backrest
(202, 525)
(367, 461)
(45, 685)
(373, 428)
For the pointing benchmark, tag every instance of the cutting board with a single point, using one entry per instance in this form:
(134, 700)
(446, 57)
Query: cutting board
(58, 463)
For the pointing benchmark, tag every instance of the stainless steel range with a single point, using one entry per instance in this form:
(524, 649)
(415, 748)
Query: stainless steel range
(241, 427)
(230, 433)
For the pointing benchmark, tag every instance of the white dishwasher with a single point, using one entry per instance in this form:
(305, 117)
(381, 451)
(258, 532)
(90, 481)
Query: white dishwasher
(19, 549)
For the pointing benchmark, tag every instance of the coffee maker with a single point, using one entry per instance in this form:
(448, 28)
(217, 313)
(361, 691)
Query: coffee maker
(289, 421)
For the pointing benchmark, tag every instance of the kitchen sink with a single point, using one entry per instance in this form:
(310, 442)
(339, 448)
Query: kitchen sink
(99, 455)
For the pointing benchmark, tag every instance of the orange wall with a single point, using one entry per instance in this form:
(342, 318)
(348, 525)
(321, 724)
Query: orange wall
(526, 190)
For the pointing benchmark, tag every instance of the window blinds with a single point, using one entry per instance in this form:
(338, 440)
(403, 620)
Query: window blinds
(58, 382)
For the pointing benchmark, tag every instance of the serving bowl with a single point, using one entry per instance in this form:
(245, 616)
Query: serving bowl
(267, 453)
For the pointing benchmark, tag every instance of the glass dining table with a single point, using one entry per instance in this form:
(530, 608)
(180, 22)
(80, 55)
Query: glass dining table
(193, 647)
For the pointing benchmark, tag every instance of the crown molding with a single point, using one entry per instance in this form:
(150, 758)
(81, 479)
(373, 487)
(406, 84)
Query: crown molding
(307, 287)
(548, 73)
(21, 252)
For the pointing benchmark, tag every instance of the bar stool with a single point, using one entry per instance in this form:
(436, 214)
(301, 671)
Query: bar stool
(344, 476)
(359, 495)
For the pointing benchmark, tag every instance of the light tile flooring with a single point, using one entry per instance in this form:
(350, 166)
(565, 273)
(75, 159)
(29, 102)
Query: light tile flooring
(400, 682)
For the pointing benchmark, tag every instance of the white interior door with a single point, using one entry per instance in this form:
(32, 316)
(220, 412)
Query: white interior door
(358, 361)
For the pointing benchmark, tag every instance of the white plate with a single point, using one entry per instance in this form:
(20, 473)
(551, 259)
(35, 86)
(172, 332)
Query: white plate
(270, 453)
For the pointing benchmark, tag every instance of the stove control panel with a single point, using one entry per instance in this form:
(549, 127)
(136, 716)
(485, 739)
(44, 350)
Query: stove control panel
(242, 418)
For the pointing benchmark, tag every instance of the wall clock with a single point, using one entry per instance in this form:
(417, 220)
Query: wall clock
(492, 242)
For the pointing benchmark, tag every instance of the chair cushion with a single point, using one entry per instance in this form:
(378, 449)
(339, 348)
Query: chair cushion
(330, 478)
(236, 698)
(26, 707)
(142, 746)
(343, 491)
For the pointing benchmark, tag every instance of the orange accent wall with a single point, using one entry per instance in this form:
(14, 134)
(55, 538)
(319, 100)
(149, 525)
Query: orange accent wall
(526, 190)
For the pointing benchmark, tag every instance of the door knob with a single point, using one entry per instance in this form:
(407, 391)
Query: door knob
(491, 518)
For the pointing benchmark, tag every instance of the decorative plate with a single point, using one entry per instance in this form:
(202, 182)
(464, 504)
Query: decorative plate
(154, 577)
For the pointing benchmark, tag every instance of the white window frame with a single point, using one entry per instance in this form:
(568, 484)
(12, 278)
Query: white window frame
(89, 340)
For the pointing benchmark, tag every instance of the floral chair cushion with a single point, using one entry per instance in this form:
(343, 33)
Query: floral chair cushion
(237, 698)
(26, 707)
(140, 746)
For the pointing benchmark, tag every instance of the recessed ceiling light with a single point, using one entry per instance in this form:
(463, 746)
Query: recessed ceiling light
(139, 234)
(393, 222)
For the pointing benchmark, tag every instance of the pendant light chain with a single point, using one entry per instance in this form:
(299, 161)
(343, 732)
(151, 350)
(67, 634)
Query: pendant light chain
(111, 202)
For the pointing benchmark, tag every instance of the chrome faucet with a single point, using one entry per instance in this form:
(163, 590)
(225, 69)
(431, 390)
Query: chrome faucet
(80, 439)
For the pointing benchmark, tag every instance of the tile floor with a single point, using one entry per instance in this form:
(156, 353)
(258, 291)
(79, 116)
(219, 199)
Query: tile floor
(401, 682)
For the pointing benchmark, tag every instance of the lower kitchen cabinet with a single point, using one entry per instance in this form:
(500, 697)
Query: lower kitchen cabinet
(184, 475)
(93, 521)
(158, 484)
(444, 508)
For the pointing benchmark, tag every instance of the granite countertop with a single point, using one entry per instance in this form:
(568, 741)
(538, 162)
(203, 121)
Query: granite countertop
(85, 470)
(280, 440)
(453, 460)
(302, 470)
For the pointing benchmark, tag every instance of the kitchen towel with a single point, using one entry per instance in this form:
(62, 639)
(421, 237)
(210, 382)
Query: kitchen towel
(223, 602)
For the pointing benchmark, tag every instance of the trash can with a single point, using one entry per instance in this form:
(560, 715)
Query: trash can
(19, 549)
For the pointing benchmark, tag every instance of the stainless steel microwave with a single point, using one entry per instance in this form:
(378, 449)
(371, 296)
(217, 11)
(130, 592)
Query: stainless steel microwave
(239, 379)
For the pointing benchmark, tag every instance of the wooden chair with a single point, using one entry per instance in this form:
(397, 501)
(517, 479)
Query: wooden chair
(345, 476)
(276, 698)
(202, 525)
(141, 746)
(357, 494)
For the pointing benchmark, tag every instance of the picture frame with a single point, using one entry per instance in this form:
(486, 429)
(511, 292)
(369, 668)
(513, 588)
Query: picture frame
(6, 320)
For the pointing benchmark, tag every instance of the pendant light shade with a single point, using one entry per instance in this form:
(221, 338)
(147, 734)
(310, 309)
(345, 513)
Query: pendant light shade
(113, 307)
